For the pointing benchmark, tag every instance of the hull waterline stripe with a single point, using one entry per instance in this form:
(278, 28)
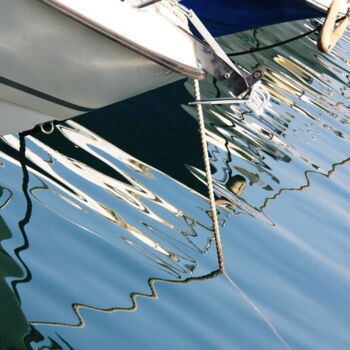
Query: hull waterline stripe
(42, 95)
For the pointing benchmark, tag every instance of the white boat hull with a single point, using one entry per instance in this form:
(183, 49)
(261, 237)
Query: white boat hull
(53, 68)
(62, 58)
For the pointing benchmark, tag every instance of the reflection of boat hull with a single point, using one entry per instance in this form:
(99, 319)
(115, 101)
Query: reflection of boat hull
(55, 68)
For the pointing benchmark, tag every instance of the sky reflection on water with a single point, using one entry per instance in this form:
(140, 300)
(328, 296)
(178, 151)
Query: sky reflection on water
(93, 227)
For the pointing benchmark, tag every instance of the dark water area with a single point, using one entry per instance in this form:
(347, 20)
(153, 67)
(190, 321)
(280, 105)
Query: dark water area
(106, 237)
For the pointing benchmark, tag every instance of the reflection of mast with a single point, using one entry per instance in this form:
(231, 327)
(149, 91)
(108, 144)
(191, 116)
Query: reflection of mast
(13, 324)
(134, 306)
(308, 182)
(15, 331)
(25, 220)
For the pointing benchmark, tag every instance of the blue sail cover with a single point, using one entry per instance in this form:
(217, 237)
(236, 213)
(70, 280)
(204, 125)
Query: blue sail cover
(223, 17)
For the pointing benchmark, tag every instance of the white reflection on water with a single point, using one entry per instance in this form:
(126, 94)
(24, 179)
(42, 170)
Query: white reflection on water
(132, 194)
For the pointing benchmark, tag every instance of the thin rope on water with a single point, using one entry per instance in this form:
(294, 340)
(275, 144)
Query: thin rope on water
(257, 311)
(209, 178)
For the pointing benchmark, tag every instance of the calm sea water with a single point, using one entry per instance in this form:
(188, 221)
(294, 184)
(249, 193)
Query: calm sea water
(106, 238)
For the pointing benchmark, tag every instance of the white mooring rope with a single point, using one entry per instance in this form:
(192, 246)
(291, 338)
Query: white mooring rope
(208, 176)
(215, 220)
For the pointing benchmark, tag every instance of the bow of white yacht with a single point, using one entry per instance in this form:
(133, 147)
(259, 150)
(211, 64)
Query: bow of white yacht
(62, 58)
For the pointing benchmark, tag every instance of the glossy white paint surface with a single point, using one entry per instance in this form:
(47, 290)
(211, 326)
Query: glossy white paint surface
(146, 27)
(45, 50)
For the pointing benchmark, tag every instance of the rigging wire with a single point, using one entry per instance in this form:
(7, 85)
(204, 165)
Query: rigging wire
(297, 37)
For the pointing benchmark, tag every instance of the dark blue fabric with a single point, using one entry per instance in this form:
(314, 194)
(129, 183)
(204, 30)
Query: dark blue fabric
(231, 16)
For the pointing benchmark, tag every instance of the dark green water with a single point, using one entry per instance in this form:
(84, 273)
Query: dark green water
(106, 238)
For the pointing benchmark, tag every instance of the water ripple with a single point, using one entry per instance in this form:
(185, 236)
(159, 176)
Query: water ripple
(96, 222)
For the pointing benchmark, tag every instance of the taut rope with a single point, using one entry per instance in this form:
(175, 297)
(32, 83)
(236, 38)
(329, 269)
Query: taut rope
(209, 178)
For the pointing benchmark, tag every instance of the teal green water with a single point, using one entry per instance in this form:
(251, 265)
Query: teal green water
(106, 238)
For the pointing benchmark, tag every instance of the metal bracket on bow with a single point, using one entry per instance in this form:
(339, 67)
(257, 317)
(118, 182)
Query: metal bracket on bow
(256, 99)
(214, 61)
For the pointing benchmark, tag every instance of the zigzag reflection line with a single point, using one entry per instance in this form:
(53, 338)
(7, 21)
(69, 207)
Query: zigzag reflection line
(154, 295)
(22, 223)
(308, 182)
(134, 305)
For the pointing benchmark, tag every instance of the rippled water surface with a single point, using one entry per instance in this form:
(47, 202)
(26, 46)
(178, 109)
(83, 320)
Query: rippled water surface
(106, 237)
